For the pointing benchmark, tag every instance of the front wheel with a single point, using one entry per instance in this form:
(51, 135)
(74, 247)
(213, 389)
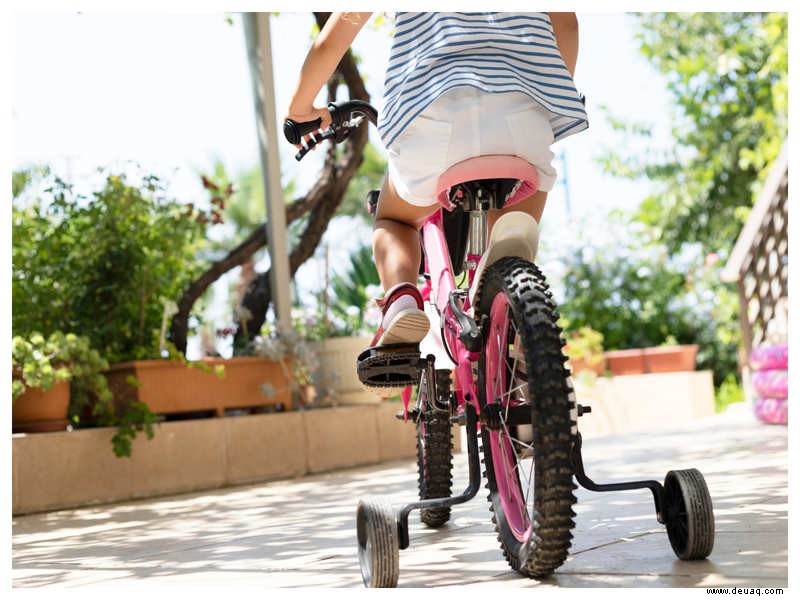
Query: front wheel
(526, 435)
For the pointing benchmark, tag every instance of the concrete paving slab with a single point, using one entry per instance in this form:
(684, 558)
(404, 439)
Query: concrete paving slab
(300, 533)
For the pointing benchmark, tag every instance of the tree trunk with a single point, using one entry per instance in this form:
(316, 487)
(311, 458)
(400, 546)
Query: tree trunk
(325, 199)
(321, 202)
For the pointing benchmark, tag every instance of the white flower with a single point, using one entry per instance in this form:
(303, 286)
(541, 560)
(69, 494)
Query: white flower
(373, 291)
(372, 316)
(242, 313)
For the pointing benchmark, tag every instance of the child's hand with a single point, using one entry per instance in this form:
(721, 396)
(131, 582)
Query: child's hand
(312, 114)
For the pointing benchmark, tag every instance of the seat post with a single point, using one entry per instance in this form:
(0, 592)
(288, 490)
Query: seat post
(478, 232)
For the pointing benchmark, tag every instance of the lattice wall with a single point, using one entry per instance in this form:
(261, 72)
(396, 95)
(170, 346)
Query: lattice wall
(764, 272)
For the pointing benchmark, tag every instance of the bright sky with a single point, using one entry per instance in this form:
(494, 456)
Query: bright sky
(172, 93)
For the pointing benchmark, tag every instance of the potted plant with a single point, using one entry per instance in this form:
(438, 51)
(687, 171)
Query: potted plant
(59, 381)
(670, 357)
(101, 264)
(337, 340)
(343, 324)
(207, 387)
(584, 348)
(42, 369)
(298, 362)
(626, 362)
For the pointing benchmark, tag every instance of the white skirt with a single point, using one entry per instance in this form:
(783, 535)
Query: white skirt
(464, 123)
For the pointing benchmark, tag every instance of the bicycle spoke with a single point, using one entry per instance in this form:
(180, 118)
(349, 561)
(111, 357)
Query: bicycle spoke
(502, 344)
(521, 443)
(509, 363)
(516, 443)
(517, 389)
(524, 481)
(511, 391)
(510, 473)
(519, 459)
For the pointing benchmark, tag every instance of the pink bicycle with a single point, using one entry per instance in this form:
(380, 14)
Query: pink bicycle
(493, 362)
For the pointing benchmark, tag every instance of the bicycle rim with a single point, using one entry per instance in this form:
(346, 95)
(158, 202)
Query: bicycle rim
(505, 382)
(522, 380)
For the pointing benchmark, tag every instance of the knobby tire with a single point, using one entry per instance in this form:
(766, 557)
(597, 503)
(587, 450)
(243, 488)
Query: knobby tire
(533, 519)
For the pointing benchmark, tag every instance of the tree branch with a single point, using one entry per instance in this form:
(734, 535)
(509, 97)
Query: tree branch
(321, 201)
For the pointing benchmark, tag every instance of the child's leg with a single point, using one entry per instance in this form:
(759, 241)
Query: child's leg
(395, 237)
(396, 249)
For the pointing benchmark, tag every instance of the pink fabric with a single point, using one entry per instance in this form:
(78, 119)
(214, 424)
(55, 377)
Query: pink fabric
(771, 384)
(770, 357)
(772, 410)
(496, 166)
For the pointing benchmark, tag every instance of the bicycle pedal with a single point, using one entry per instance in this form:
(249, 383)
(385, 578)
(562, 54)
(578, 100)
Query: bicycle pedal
(390, 366)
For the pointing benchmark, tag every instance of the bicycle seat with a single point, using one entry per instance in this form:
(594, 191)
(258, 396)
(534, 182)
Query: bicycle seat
(493, 166)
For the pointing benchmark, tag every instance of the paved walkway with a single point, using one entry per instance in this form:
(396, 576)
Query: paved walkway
(301, 533)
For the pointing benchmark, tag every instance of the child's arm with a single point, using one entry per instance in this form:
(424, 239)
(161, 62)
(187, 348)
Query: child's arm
(565, 27)
(327, 50)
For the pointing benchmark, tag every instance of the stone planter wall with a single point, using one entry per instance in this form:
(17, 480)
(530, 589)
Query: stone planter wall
(630, 403)
(58, 470)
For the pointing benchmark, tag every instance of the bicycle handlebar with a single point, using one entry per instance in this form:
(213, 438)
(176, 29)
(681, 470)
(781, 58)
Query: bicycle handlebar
(346, 117)
(294, 131)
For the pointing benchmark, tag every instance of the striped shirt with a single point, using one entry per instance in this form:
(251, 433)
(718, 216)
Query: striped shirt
(433, 53)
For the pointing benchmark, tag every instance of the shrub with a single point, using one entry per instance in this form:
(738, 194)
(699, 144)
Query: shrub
(104, 267)
(639, 297)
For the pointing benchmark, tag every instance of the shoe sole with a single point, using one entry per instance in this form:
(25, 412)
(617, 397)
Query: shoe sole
(409, 327)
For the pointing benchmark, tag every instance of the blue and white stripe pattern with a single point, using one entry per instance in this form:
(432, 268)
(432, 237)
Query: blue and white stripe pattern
(433, 53)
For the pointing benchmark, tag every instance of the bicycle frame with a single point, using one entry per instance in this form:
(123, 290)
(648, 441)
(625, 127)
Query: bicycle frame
(442, 285)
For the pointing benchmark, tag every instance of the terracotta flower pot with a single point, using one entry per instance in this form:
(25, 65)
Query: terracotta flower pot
(38, 410)
(626, 362)
(666, 359)
(579, 364)
(337, 369)
(170, 387)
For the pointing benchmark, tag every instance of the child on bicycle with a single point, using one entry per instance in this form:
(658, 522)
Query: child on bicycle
(458, 85)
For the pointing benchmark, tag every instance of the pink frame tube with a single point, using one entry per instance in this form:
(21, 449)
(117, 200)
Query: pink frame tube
(437, 263)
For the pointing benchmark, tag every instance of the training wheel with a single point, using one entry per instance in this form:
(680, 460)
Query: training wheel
(378, 547)
(689, 515)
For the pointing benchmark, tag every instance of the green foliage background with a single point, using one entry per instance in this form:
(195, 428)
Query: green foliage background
(102, 266)
(727, 75)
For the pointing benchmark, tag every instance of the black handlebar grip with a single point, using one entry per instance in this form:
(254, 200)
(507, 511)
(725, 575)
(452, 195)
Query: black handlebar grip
(294, 132)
